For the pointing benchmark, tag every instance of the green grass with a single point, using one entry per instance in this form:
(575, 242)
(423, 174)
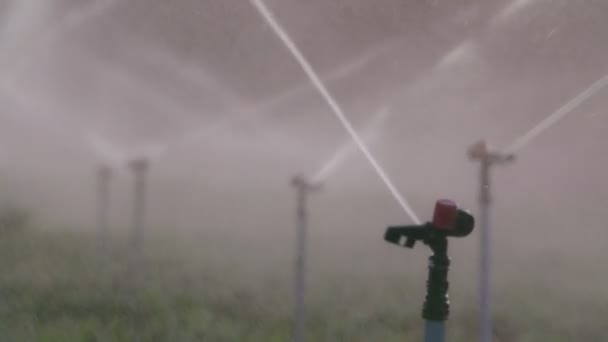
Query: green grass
(59, 287)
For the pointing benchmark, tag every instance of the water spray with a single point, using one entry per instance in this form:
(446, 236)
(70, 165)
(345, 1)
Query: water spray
(266, 106)
(448, 221)
(558, 115)
(303, 189)
(333, 104)
(51, 35)
(371, 130)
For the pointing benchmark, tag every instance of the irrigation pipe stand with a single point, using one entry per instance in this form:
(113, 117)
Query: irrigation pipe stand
(140, 167)
(487, 158)
(303, 188)
(104, 178)
(448, 221)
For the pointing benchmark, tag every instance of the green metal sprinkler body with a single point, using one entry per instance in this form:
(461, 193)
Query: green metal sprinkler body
(448, 221)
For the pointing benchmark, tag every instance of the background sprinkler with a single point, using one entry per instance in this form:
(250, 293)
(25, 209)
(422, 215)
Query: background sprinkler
(104, 178)
(448, 221)
(139, 167)
(303, 188)
(487, 158)
(110, 160)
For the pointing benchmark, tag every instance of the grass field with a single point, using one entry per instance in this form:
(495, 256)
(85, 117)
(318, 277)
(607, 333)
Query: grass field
(59, 287)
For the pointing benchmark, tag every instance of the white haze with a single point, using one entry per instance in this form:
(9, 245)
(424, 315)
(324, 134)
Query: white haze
(207, 90)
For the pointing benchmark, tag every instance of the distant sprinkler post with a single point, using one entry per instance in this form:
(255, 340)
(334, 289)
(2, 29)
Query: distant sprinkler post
(303, 189)
(104, 179)
(140, 168)
(487, 158)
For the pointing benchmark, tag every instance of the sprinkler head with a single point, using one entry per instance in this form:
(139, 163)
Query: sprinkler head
(448, 221)
(104, 171)
(302, 182)
(139, 164)
(481, 151)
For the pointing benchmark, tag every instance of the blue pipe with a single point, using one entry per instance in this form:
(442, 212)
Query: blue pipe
(434, 331)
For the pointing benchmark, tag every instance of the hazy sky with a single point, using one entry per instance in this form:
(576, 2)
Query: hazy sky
(143, 72)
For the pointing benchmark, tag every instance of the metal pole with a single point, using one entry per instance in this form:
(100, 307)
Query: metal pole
(140, 170)
(437, 304)
(300, 267)
(487, 159)
(104, 175)
(434, 331)
(485, 254)
(303, 188)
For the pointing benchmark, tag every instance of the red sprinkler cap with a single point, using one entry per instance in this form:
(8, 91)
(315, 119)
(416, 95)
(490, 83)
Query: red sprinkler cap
(445, 214)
